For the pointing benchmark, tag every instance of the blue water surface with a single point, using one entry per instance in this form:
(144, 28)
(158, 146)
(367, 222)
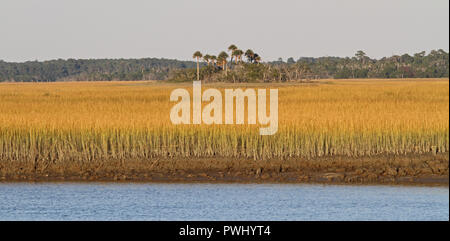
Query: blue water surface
(111, 201)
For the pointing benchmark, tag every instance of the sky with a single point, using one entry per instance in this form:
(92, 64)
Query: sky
(175, 29)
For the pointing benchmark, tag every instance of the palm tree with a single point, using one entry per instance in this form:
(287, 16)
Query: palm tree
(213, 59)
(250, 55)
(197, 55)
(238, 53)
(207, 58)
(223, 56)
(232, 48)
(234, 56)
(257, 58)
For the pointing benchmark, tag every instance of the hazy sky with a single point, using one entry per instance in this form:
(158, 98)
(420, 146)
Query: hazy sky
(50, 29)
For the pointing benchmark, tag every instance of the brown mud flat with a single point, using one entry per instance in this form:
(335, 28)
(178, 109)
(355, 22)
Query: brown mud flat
(427, 169)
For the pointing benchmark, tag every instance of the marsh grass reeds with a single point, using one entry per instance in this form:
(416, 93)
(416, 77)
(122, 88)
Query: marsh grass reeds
(41, 124)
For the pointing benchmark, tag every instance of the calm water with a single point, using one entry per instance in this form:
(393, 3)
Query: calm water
(220, 202)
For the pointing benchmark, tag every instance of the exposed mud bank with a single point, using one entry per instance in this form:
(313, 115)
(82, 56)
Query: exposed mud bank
(402, 169)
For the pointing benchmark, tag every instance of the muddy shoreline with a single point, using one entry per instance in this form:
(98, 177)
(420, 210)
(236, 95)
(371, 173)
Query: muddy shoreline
(426, 169)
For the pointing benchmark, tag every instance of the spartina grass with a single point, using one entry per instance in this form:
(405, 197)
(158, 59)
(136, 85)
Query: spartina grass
(100, 121)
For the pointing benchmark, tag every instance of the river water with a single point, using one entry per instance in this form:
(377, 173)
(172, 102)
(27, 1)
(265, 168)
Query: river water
(108, 201)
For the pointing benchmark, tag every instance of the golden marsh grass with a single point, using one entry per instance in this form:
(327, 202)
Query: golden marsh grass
(100, 121)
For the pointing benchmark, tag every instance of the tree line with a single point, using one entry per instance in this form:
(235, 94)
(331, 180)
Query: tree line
(231, 65)
(91, 69)
(435, 64)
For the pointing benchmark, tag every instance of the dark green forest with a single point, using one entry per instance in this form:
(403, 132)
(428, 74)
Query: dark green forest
(240, 67)
(91, 69)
